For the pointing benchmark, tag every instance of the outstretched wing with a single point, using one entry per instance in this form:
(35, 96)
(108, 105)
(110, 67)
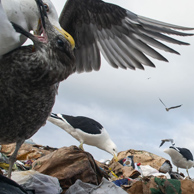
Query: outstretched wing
(124, 38)
(162, 102)
(167, 140)
(174, 107)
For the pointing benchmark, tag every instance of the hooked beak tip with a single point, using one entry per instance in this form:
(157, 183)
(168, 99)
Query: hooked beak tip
(115, 158)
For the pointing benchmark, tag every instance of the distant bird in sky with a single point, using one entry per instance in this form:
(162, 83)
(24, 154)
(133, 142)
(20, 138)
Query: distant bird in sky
(30, 76)
(181, 157)
(86, 131)
(172, 107)
(25, 14)
(167, 140)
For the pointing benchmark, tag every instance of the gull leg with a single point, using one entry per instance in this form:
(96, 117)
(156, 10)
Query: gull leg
(81, 146)
(177, 170)
(12, 158)
(187, 172)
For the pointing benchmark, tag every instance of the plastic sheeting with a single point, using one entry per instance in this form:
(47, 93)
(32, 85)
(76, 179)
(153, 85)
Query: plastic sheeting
(106, 187)
(40, 183)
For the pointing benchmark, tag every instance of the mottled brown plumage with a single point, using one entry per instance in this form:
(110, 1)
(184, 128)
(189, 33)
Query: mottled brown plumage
(29, 83)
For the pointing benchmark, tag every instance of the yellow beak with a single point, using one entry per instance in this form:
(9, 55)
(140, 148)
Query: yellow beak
(67, 36)
(115, 157)
(38, 31)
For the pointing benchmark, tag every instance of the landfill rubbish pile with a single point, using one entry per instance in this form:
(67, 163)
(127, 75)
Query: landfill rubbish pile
(69, 170)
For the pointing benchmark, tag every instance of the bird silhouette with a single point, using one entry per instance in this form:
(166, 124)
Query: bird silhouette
(172, 107)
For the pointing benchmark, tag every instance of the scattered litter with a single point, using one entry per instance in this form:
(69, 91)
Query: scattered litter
(73, 171)
(149, 171)
(127, 161)
(121, 182)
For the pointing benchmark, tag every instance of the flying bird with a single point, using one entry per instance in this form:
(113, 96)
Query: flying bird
(25, 14)
(181, 157)
(167, 140)
(172, 107)
(125, 39)
(30, 76)
(86, 131)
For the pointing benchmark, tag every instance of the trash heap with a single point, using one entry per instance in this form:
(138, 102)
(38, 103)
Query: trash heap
(69, 170)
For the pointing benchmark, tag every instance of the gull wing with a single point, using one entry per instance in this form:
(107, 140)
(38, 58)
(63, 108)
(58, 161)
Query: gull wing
(162, 102)
(124, 38)
(167, 140)
(174, 107)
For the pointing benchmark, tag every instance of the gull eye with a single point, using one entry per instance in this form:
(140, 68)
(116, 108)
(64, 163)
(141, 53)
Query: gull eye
(46, 7)
(60, 42)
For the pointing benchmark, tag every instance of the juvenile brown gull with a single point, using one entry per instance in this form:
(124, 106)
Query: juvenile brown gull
(29, 82)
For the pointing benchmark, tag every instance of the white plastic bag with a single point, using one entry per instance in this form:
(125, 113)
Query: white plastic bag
(40, 183)
(105, 187)
(147, 170)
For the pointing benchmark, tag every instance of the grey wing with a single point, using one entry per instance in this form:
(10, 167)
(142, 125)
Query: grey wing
(175, 107)
(124, 38)
(162, 102)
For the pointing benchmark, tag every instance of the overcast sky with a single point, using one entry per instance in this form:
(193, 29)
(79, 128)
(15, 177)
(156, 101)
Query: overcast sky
(126, 102)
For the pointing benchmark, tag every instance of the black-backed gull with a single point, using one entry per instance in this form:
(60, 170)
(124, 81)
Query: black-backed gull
(86, 131)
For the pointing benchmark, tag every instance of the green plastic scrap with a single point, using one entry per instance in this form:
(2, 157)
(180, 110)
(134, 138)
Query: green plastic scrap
(167, 186)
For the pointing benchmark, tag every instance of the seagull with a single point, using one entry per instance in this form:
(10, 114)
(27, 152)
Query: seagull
(172, 107)
(30, 76)
(125, 39)
(86, 131)
(181, 157)
(25, 14)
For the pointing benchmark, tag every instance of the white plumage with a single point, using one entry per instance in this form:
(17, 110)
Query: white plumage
(9, 38)
(181, 157)
(178, 158)
(25, 14)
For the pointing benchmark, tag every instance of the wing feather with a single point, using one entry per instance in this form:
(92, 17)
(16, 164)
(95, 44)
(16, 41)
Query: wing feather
(124, 38)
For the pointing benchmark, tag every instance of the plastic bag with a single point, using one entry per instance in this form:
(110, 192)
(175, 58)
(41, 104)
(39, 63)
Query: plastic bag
(149, 171)
(40, 183)
(106, 187)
